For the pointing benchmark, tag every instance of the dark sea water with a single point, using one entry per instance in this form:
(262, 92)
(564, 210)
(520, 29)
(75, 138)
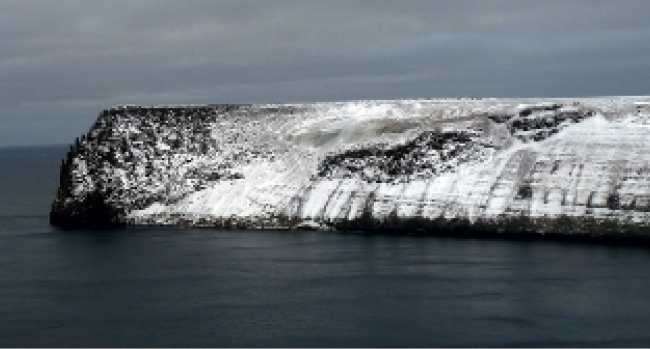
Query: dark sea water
(152, 287)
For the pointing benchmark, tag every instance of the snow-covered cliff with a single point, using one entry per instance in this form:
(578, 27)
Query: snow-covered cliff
(579, 166)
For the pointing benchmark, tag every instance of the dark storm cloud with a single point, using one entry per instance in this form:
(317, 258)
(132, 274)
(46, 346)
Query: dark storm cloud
(61, 62)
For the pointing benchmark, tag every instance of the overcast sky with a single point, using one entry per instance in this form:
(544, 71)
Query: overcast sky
(61, 62)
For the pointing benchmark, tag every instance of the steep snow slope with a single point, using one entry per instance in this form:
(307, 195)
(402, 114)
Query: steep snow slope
(543, 164)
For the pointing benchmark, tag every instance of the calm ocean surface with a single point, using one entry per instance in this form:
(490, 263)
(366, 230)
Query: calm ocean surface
(157, 287)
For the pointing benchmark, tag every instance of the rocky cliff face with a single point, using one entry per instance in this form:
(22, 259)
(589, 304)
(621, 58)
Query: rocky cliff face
(573, 166)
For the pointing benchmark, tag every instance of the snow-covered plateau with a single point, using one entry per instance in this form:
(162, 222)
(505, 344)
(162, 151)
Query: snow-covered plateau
(568, 166)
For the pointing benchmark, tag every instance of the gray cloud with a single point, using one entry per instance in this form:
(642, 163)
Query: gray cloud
(62, 62)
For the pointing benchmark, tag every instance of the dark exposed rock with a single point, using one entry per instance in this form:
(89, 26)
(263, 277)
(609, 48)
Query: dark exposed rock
(415, 157)
(92, 212)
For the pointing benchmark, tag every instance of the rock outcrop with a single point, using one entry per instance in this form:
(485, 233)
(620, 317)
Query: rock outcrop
(563, 166)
